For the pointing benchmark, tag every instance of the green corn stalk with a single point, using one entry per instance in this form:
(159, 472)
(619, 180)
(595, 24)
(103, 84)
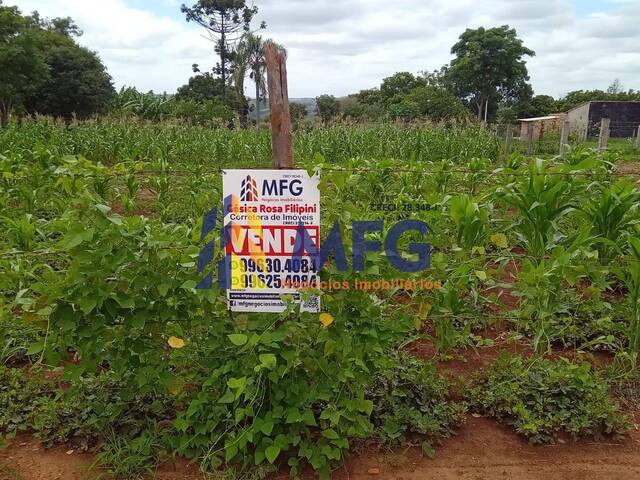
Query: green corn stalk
(611, 214)
(542, 199)
(632, 281)
(471, 221)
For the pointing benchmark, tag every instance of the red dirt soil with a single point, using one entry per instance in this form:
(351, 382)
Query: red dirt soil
(485, 450)
(482, 450)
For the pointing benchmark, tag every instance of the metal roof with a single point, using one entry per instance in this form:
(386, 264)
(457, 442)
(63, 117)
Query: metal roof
(535, 119)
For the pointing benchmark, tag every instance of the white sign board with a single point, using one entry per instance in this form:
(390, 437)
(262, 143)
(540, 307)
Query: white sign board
(265, 211)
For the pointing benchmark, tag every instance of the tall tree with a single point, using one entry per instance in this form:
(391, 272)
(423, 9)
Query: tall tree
(488, 65)
(298, 112)
(78, 83)
(224, 21)
(201, 87)
(22, 66)
(257, 68)
(327, 107)
(400, 83)
(240, 57)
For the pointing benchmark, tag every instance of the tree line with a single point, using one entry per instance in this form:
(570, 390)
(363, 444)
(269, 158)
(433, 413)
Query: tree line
(487, 80)
(43, 70)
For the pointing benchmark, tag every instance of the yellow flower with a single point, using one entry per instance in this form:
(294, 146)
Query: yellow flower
(175, 342)
(326, 319)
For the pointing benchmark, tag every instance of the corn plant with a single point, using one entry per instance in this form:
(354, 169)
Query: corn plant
(471, 221)
(541, 284)
(632, 280)
(129, 199)
(22, 231)
(611, 214)
(541, 199)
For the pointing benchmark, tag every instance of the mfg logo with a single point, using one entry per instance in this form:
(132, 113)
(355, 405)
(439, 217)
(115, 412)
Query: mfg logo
(248, 190)
(281, 187)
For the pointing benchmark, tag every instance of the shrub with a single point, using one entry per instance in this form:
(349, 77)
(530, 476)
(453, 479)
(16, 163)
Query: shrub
(410, 399)
(541, 398)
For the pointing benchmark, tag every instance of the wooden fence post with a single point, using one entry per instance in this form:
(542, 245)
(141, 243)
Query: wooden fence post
(638, 138)
(281, 143)
(507, 141)
(529, 139)
(564, 138)
(603, 140)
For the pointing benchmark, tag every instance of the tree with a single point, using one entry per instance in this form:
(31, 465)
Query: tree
(400, 83)
(327, 107)
(615, 87)
(201, 87)
(258, 69)
(224, 21)
(488, 66)
(241, 56)
(578, 97)
(437, 103)
(22, 66)
(372, 96)
(537, 106)
(298, 111)
(249, 58)
(78, 83)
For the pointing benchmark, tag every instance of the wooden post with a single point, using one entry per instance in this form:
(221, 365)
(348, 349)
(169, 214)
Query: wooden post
(529, 139)
(638, 137)
(564, 138)
(507, 141)
(603, 140)
(276, 60)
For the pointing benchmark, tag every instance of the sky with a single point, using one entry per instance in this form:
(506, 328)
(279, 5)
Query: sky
(341, 47)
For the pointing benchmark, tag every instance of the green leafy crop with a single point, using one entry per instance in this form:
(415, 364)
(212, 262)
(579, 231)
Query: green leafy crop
(543, 398)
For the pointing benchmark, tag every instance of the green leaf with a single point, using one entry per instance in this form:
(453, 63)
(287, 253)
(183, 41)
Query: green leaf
(163, 288)
(428, 449)
(228, 397)
(308, 418)
(500, 240)
(268, 360)
(230, 452)
(238, 339)
(272, 453)
(267, 427)
(87, 304)
(35, 348)
(331, 434)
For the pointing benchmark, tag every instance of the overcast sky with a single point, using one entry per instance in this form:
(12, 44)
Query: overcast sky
(342, 46)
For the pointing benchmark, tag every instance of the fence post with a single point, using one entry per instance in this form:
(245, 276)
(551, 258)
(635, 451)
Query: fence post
(276, 60)
(603, 140)
(529, 139)
(507, 141)
(564, 138)
(638, 138)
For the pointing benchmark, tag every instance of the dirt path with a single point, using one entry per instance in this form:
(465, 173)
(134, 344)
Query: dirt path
(485, 450)
(482, 450)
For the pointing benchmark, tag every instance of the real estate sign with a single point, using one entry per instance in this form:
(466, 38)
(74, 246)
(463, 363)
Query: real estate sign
(265, 212)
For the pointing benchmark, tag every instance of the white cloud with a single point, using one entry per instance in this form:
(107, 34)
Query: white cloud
(341, 47)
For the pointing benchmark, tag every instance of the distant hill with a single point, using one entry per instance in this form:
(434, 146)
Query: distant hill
(310, 103)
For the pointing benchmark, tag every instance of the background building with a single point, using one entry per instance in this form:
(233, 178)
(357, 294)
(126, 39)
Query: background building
(541, 125)
(625, 118)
